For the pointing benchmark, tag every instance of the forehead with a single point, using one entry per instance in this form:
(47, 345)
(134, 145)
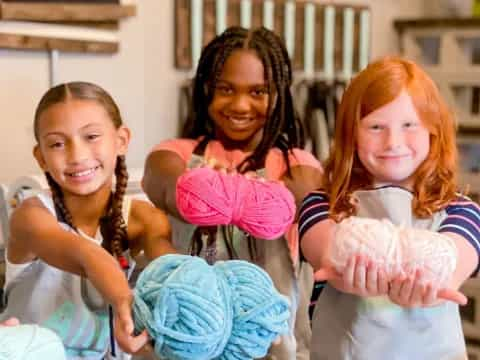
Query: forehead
(243, 67)
(400, 108)
(71, 115)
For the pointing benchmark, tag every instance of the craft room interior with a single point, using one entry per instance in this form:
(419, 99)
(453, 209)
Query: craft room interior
(145, 54)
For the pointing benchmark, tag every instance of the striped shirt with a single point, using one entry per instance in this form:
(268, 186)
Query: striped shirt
(463, 218)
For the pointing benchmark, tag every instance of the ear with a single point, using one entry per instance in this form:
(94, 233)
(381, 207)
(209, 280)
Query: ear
(123, 139)
(37, 153)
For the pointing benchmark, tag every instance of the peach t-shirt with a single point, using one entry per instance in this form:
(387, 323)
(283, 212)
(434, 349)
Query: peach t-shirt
(275, 166)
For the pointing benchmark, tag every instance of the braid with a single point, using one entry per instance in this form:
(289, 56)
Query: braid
(57, 195)
(283, 128)
(112, 224)
(118, 240)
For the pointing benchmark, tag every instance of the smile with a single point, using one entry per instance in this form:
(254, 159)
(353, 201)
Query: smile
(83, 173)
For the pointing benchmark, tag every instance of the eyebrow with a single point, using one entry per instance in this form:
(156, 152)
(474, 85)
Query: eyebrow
(264, 84)
(51, 133)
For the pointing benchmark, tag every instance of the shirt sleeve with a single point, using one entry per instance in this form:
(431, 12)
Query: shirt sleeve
(276, 166)
(314, 208)
(463, 218)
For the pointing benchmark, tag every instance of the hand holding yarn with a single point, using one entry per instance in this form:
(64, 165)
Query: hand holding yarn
(196, 311)
(206, 197)
(399, 251)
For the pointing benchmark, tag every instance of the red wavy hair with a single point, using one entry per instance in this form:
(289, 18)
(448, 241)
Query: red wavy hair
(381, 82)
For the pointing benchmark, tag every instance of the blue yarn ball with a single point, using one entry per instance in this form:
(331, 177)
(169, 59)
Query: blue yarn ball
(184, 307)
(192, 310)
(29, 342)
(260, 313)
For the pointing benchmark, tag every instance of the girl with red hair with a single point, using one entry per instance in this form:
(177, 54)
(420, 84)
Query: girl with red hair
(389, 208)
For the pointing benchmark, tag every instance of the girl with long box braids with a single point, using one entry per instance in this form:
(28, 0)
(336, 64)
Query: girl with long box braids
(82, 233)
(388, 231)
(242, 133)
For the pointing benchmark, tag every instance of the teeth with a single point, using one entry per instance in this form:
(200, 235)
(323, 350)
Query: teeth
(83, 173)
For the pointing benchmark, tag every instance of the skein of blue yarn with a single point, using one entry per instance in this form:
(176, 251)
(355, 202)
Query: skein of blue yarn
(29, 342)
(196, 311)
(260, 313)
(184, 306)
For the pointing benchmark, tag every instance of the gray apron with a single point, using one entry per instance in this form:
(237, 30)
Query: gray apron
(292, 280)
(65, 303)
(348, 327)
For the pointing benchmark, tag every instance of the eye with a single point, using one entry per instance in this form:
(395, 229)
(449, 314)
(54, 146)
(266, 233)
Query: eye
(224, 89)
(409, 124)
(92, 137)
(258, 92)
(56, 145)
(375, 127)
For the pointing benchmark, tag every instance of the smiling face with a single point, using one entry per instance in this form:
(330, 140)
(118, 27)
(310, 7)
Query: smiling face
(392, 142)
(239, 107)
(78, 145)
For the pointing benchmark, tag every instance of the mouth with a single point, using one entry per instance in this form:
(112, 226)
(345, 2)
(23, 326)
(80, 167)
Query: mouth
(82, 173)
(394, 157)
(240, 122)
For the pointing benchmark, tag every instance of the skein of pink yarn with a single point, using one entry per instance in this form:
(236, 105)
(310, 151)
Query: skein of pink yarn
(206, 197)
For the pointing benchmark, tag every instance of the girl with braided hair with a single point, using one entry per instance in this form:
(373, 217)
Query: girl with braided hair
(242, 119)
(69, 252)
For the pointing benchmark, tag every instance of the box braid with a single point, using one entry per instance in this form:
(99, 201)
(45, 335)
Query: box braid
(112, 224)
(282, 128)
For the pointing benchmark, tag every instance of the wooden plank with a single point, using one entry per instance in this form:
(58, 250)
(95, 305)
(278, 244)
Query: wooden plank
(401, 25)
(183, 50)
(27, 42)
(64, 1)
(104, 25)
(49, 12)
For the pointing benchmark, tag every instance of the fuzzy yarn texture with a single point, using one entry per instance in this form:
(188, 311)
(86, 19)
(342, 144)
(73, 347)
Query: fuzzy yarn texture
(206, 197)
(29, 342)
(400, 250)
(192, 310)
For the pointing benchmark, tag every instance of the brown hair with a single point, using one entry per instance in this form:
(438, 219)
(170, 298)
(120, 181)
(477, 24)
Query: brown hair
(380, 83)
(112, 225)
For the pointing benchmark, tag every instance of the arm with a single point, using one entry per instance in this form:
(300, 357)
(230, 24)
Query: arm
(151, 229)
(303, 180)
(35, 233)
(162, 169)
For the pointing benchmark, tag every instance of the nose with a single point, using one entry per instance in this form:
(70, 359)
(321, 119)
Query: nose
(394, 138)
(240, 104)
(77, 152)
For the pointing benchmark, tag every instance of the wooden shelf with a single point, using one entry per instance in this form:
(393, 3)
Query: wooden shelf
(431, 23)
(61, 12)
(27, 42)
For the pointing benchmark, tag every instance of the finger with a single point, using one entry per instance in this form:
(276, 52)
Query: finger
(132, 344)
(372, 277)
(382, 284)
(396, 287)
(11, 322)
(349, 272)
(418, 290)
(277, 341)
(406, 290)
(452, 295)
(324, 274)
(360, 274)
(430, 295)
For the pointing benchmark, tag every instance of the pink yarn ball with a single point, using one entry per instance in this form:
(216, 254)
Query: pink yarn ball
(206, 197)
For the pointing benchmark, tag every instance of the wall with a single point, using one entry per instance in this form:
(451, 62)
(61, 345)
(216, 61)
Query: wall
(141, 78)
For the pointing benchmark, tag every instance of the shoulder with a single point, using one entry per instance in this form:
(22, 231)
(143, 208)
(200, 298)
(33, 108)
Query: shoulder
(276, 165)
(183, 147)
(145, 218)
(314, 208)
(463, 203)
